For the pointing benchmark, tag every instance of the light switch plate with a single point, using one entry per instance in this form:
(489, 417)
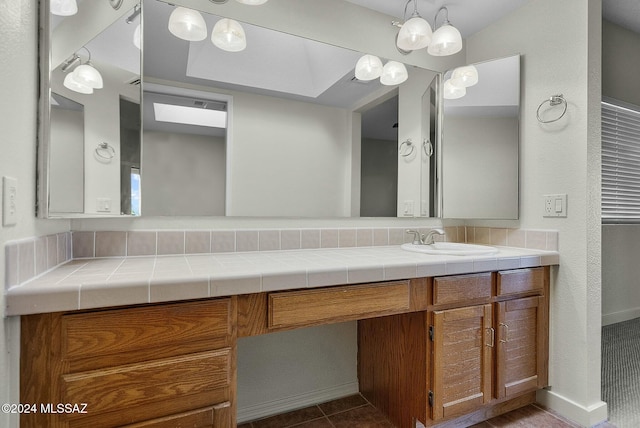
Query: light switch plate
(555, 205)
(9, 201)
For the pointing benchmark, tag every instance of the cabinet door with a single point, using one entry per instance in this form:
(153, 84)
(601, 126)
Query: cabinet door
(462, 360)
(521, 348)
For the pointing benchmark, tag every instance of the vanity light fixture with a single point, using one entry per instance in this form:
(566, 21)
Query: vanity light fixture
(64, 7)
(229, 35)
(252, 2)
(137, 31)
(452, 92)
(393, 73)
(415, 33)
(84, 78)
(465, 76)
(446, 40)
(187, 24)
(368, 67)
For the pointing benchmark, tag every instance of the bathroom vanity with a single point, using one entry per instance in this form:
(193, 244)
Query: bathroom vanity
(450, 349)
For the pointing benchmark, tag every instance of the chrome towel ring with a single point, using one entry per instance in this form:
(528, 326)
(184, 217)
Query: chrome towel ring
(553, 101)
(408, 151)
(105, 151)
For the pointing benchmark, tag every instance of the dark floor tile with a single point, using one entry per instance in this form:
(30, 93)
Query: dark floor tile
(481, 425)
(316, 423)
(245, 425)
(291, 418)
(530, 416)
(342, 404)
(360, 417)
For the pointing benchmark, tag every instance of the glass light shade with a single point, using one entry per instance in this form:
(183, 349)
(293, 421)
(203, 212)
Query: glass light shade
(452, 92)
(446, 41)
(368, 67)
(187, 24)
(414, 34)
(465, 76)
(136, 37)
(64, 7)
(252, 2)
(75, 86)
(87, 75)
(228, 35)
(393, 73)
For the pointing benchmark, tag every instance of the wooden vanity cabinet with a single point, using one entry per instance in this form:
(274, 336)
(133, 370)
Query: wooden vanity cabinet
(162, 365)
(482, 350)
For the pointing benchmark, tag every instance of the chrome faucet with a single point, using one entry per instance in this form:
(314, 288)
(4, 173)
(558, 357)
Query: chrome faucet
(421, 239)
(429, 238)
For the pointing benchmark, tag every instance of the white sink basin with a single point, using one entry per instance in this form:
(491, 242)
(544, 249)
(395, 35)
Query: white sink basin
(451, 248)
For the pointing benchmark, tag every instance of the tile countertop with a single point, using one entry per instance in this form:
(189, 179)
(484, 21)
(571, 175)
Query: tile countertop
(105, 282)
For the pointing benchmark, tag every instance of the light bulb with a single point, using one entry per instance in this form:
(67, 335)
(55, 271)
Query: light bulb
(414, 34)
(465, 76)
(446, 41)
(75, 86)
(64, 7)
(452, 92)
(228, 35)
(87, 75)
(368, 67)
(393, 73)
(136, 37)
(187, 24)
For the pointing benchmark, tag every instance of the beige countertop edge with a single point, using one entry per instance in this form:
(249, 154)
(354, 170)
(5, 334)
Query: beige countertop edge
(93, 283)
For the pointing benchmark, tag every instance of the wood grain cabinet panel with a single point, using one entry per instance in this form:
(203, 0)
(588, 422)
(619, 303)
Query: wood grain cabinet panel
(462, 289)
(521, 346)
(337, 304)
(462, 360)
(165, 365)
(519, 281)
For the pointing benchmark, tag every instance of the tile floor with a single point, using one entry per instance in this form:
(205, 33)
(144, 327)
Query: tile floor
(355, 412)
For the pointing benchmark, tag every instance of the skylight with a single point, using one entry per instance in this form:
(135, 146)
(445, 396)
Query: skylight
(190, 115)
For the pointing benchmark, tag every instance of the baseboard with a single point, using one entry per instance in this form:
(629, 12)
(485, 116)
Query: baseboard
(621, 316)
(585, 416)
(282, 405)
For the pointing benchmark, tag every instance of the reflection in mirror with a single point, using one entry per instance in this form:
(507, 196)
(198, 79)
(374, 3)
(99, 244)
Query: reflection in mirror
(430, 147)
(184, 153)
(480, 145)
(66, 156)
(93, 61)
(293, 146)
(379, 160)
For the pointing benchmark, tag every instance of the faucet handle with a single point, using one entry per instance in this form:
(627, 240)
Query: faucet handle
(417, 238)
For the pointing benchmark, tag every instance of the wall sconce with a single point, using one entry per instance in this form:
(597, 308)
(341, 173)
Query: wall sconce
(461, 78)
(227, 34)
(446, 40)
(370, 67)
(416, 33)
(84, 78)
(136, 33)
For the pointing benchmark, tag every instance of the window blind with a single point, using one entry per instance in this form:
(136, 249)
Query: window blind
(620, 164)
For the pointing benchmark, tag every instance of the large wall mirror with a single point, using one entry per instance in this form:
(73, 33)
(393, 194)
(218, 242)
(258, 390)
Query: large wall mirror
(89, 144)
(480, 144)
(290, 131)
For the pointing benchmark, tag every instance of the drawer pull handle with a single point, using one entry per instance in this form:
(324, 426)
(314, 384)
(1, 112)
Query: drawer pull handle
(492, 335)
(506, 333)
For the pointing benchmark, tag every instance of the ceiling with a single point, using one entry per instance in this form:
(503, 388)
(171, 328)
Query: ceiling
(625, 13)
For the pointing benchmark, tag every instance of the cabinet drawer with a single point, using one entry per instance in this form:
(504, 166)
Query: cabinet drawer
(336, 304)
(150, 389)
(217, 417)
(462, 288)
(519, 281)
(135, 332)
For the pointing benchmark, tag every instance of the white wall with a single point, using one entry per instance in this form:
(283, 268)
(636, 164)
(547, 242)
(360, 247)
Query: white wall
(183, 174)
(620, 268)
(276, 139)
(560, 44)
(66, 160)
(18, 106)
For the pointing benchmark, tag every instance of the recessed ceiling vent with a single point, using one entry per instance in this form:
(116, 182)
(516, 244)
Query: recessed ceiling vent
(135, 81)
(218, 1)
